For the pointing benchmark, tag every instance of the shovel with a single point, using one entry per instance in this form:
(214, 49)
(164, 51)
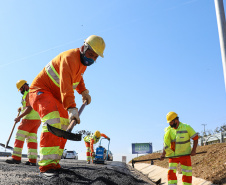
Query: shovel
(6, 146)
(67, 134)
(133, 161)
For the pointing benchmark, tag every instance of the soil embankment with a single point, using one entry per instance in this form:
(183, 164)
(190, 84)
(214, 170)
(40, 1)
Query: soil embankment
(210, 166)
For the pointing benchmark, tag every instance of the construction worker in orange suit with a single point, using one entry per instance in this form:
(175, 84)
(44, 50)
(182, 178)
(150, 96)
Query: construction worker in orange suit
(177, 142)
(52, 96)
(90, 140)
(26, 130)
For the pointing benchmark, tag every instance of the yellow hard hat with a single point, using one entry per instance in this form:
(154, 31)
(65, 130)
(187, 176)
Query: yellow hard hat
(171, 116)
(97, 44)
(20, 83)
(97, 134)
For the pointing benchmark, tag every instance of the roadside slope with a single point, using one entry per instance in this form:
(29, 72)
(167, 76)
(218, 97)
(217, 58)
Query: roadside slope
(210, 166)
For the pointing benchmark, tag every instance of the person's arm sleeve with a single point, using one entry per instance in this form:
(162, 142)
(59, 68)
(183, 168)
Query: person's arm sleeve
(167, 144)
(66, 82)
(103, 135)
(81, 86)
(192, 134)
(91, 145)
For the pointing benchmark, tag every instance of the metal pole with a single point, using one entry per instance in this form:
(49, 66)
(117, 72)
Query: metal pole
(219, 6)
(204, 128)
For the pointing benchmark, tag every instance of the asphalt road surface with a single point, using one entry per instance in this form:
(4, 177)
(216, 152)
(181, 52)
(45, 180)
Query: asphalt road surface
(76, 172)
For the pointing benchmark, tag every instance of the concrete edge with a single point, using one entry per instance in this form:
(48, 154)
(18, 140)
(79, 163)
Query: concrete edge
(156, 172)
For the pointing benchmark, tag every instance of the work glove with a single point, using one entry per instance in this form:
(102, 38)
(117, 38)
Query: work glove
(73, 114)
(86, 96)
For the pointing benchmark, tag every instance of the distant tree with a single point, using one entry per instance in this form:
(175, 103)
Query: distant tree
(223, 128)
(209, 132)
(217, 130)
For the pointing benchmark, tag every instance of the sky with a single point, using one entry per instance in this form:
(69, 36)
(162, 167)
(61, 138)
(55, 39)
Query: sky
(160, 56)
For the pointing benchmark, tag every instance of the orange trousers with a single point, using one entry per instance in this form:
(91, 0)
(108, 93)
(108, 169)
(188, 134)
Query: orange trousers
(88, 152)
(50, 111)
(186, 168)
(26, 130)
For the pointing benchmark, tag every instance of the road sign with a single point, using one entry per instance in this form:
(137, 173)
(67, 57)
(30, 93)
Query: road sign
(141, 148)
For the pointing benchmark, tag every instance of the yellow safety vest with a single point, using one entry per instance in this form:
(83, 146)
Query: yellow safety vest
(92, 136)
(181, 136)
(33, 115)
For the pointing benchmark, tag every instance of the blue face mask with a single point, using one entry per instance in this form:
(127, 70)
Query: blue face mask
(87, 61)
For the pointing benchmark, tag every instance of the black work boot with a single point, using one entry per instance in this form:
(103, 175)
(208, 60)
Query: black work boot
(29, 163)
(12, 161)
(49, 174)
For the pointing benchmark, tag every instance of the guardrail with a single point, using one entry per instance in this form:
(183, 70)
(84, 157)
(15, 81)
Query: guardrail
(5, 154)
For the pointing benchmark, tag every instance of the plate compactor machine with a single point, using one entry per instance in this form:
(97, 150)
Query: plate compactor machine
(101, 154)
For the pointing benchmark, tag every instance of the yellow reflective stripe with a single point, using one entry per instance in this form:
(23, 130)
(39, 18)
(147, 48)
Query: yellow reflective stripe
(45, 129)
(23, 132)
(53, 75)
(18, 135)
(172, 182)
(32, 140)
(49, 150)
(18, 155)
(75, 85)
(32, 156)
(186, 183)
(51, 115)
(17, 149)
(64, 121)
(46, 162)
(20, 138)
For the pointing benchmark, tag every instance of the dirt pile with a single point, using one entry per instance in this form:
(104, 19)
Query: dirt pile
(210, 166)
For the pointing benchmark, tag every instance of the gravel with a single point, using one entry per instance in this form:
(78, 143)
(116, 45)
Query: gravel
(75, 172)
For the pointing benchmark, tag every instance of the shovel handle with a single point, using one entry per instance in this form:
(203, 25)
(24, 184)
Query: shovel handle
(12, 129)
(74, 122)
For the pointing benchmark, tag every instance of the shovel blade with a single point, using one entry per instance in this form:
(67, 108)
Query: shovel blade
(66, 135)
(8, 147)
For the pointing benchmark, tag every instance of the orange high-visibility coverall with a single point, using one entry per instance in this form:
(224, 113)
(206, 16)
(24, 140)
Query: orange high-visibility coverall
(27, 130)
(51, 100)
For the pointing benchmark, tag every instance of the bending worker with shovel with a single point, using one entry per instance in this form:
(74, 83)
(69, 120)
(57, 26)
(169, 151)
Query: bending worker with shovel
(52, 96)
(26, 130)
(177, 142)
(90, 140)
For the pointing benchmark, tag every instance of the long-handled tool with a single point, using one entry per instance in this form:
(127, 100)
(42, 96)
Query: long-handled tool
(6, 145)
(133, 162)
(67, 134)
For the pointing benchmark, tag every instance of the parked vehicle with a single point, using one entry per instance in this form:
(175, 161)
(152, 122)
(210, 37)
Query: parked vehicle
(110, 156)
(69, 154)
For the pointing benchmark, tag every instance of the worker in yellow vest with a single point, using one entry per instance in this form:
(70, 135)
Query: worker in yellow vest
(177, 142)
(26, 130)
(90, 140)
